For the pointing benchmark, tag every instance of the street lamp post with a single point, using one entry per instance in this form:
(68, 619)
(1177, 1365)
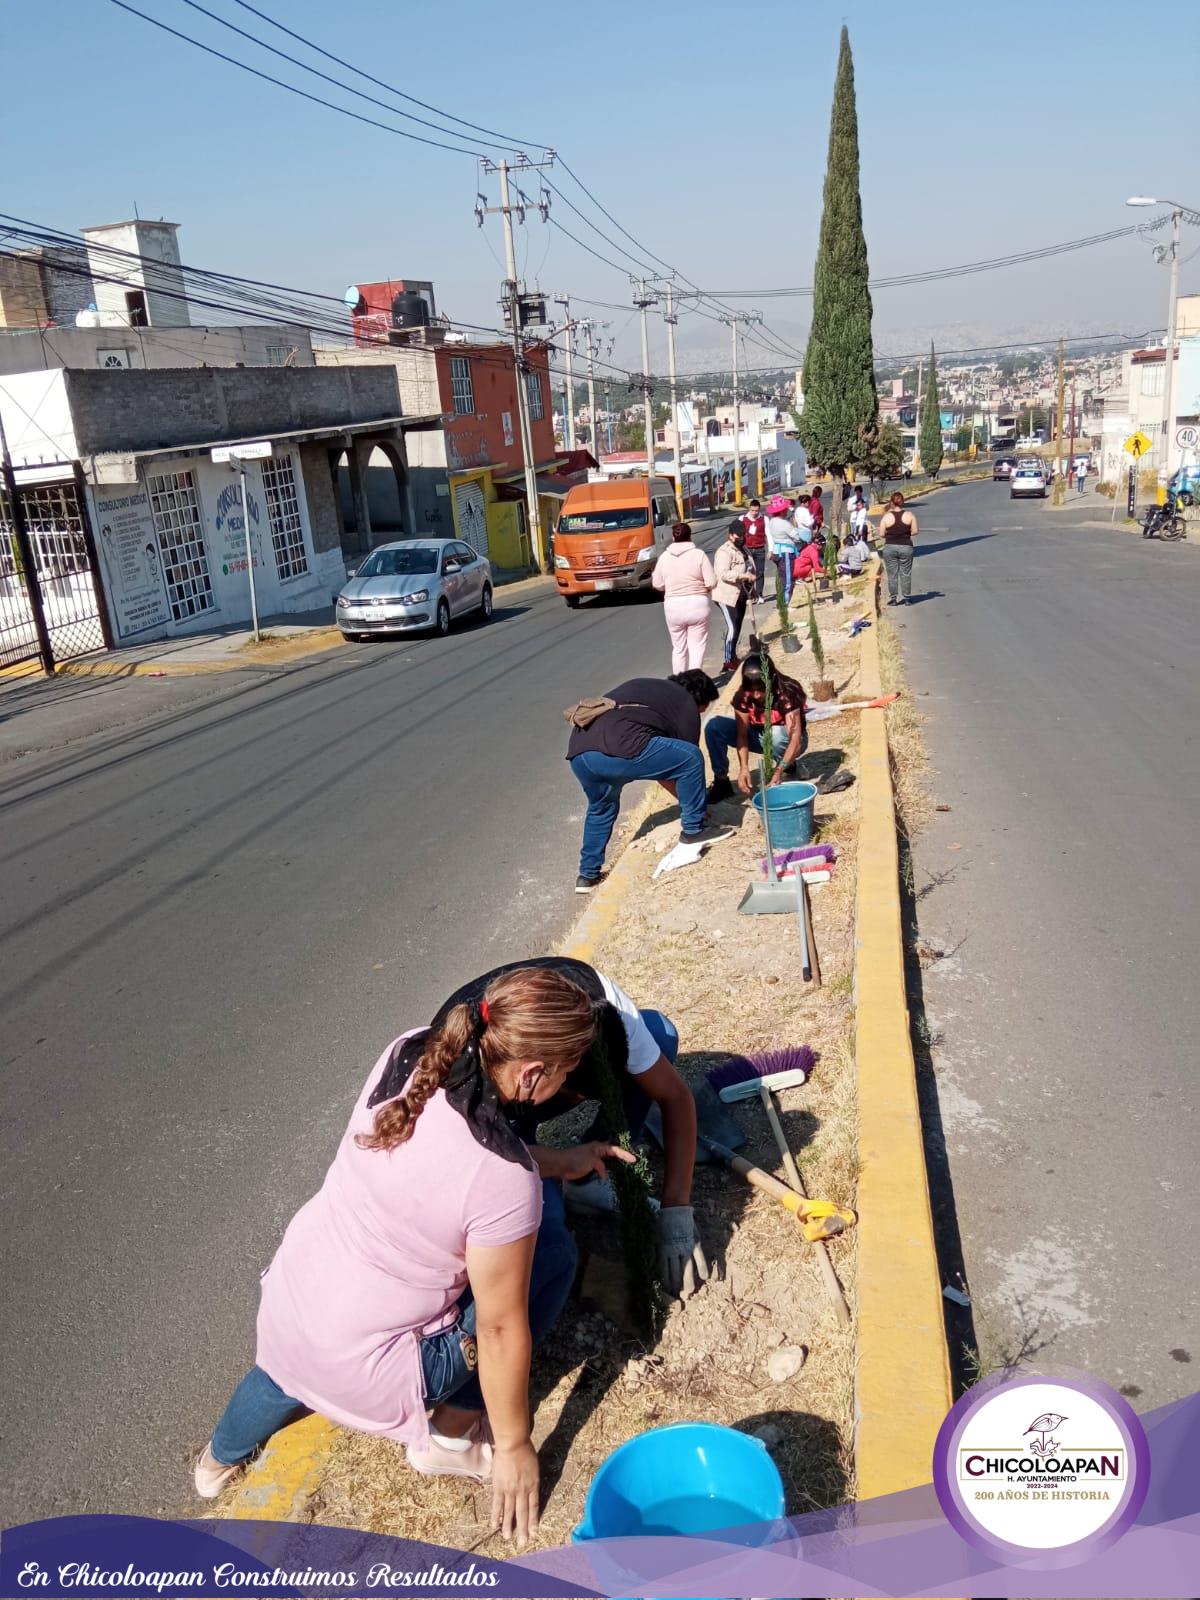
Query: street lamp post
(1168, 419)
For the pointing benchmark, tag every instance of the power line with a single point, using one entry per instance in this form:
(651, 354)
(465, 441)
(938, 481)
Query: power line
(292, 88)
(327, 77)
(937, 274)
(509, 141)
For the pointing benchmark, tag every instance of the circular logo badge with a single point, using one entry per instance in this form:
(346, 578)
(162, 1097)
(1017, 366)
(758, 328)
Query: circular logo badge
(1056, 1467)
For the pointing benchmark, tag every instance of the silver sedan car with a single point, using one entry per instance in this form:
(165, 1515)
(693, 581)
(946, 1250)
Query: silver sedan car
(415, 583)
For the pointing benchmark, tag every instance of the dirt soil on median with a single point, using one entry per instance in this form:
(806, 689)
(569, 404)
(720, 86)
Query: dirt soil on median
(732, 984)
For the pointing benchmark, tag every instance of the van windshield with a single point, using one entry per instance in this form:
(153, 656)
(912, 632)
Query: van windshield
(609, 520)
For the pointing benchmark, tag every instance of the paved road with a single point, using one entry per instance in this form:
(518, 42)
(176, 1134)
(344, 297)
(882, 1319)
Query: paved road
(1060, 664)
(212, 923)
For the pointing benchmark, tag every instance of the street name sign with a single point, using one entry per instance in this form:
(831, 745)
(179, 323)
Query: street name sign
(255, 450)
(1137, 444)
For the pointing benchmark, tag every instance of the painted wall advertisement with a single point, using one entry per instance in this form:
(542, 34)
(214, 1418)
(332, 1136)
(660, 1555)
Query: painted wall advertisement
(129, 549)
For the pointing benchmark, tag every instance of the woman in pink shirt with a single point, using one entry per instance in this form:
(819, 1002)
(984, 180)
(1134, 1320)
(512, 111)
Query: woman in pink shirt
(408, 1283)
(684, 574)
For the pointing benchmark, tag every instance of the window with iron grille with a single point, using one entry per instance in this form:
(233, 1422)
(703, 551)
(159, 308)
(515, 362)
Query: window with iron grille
(283, 513)
(533, 387)
(460, 383)
(176, 509)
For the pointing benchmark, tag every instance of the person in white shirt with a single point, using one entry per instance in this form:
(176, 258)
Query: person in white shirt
(859, 520)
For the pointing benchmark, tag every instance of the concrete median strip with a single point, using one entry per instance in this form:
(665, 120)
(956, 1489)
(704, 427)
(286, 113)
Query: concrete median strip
(903, 1374)
(902, 1389)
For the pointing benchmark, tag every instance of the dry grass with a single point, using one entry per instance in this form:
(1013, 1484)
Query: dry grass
(731, 984)
(906, 743)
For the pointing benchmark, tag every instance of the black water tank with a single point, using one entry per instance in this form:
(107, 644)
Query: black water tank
(409, 310)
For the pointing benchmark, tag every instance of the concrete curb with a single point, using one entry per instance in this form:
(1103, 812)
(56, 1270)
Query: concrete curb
(903, 1373)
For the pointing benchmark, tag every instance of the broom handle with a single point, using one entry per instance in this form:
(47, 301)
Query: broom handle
(788, 1198)
(833, 1288)
(809, 939)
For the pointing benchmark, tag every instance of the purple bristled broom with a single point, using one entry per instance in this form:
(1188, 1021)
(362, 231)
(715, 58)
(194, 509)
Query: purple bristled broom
(739, 1077)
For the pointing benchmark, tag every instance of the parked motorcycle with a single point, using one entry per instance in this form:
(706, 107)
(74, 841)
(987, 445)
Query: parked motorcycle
(1164, 522)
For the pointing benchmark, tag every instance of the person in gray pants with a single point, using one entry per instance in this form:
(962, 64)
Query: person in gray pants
(898, 528)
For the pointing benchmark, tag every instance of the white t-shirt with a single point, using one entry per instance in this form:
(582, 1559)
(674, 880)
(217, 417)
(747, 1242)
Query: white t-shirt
(644, 1050)
(804, 520)
(858, 516)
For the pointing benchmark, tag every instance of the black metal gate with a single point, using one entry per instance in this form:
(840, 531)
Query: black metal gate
(63, 575)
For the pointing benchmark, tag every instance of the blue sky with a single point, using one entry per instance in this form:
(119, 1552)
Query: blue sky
(701, 126)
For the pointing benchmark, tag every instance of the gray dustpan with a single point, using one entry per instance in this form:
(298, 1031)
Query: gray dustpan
(764, 899)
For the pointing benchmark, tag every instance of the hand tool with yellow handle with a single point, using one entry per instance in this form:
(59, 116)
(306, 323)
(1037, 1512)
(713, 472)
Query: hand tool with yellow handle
(833, 1288)
(822, 1217)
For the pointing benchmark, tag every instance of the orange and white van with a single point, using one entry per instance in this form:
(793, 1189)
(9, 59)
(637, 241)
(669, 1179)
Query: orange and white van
(610, 534)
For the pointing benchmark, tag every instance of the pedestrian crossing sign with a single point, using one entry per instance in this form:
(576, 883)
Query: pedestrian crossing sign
(1137, 444)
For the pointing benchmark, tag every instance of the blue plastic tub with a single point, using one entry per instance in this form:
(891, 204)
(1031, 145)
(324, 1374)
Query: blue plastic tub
(791, 809)
(690, 1478)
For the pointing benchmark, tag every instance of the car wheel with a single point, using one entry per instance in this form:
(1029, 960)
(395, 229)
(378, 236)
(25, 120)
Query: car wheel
(572, 602)
(443, 618)
(485, 605)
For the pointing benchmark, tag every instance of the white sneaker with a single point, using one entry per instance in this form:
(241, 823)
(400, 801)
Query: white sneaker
(594, 1194)
(210, 1477)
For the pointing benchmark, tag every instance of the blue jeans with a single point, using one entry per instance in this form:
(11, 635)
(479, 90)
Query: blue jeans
(259, 1407)
(603, 777)
(785, 566)
(720, 735)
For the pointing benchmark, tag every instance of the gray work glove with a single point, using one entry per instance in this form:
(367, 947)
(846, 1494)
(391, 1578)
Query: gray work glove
(682, 1265)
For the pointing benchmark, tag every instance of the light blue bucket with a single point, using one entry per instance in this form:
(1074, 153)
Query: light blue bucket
(692, 1478)
(790, 806)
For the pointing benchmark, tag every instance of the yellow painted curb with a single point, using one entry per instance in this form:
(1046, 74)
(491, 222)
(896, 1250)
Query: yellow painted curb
(903, 1372)
(289, 648)
(22, 669)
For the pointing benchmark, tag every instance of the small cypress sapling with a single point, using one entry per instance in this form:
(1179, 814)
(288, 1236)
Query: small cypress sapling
(814, 637)
(768, 747)
(639, 1234)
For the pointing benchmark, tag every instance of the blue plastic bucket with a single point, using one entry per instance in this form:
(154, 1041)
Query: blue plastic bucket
(691, 1478)
(791, 809)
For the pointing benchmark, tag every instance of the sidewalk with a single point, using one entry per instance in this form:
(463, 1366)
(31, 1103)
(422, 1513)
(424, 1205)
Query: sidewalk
(285, 638)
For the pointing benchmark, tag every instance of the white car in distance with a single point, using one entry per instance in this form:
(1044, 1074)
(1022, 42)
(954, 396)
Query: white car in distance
(1027, 482)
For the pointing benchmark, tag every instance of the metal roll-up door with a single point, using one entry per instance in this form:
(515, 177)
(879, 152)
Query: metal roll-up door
(470, 513)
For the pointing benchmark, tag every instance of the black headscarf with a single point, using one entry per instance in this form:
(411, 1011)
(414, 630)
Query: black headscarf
(503, 1129)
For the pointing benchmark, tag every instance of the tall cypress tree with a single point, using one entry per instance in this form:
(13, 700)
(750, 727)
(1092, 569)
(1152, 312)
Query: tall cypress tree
(931, 420)
(841, 406)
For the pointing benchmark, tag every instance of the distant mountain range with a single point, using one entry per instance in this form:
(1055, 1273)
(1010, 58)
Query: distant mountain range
(702, 352)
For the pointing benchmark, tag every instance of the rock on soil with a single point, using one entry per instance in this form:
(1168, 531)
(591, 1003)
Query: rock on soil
(786, 1363)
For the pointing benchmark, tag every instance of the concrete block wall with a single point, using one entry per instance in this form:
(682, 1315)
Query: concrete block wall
(116, 411)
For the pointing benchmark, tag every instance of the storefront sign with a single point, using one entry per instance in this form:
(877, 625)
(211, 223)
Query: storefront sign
(230, 527)
(128, 546)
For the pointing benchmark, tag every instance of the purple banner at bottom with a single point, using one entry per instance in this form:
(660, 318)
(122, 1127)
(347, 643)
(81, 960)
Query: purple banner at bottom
(900, 1545)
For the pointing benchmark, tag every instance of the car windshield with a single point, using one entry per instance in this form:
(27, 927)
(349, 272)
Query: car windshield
(607, 520)
(399, 562)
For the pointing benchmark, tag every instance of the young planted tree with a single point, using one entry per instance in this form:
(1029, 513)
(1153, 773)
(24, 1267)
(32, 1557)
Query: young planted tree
(841, 406)
(930, 433)
(886, 456)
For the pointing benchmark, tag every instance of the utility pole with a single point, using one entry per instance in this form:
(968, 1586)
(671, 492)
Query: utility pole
(1169, 375)
(732, 320)
(608, 414)
(1071, 450)
(511, 300)
(591, 383)
(916, 460)
(565, 301)
(671, 319)
(758, 446)
(646, 297)
(28, 559)
(1057, 497)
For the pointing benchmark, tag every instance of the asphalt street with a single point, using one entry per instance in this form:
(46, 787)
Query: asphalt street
(1057, 660)
(213, 921)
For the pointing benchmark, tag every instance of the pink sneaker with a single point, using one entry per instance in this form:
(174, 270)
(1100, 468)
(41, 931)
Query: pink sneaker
(435, 1460)
(210, 1477)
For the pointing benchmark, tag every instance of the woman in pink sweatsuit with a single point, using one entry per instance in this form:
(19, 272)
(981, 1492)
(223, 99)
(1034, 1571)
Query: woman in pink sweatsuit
(685, 576)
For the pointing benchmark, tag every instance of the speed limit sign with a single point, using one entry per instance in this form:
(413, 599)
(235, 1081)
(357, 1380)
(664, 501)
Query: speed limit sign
(1187, 438)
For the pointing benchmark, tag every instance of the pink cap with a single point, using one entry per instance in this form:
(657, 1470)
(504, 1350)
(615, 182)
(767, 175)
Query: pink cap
(779, 506)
